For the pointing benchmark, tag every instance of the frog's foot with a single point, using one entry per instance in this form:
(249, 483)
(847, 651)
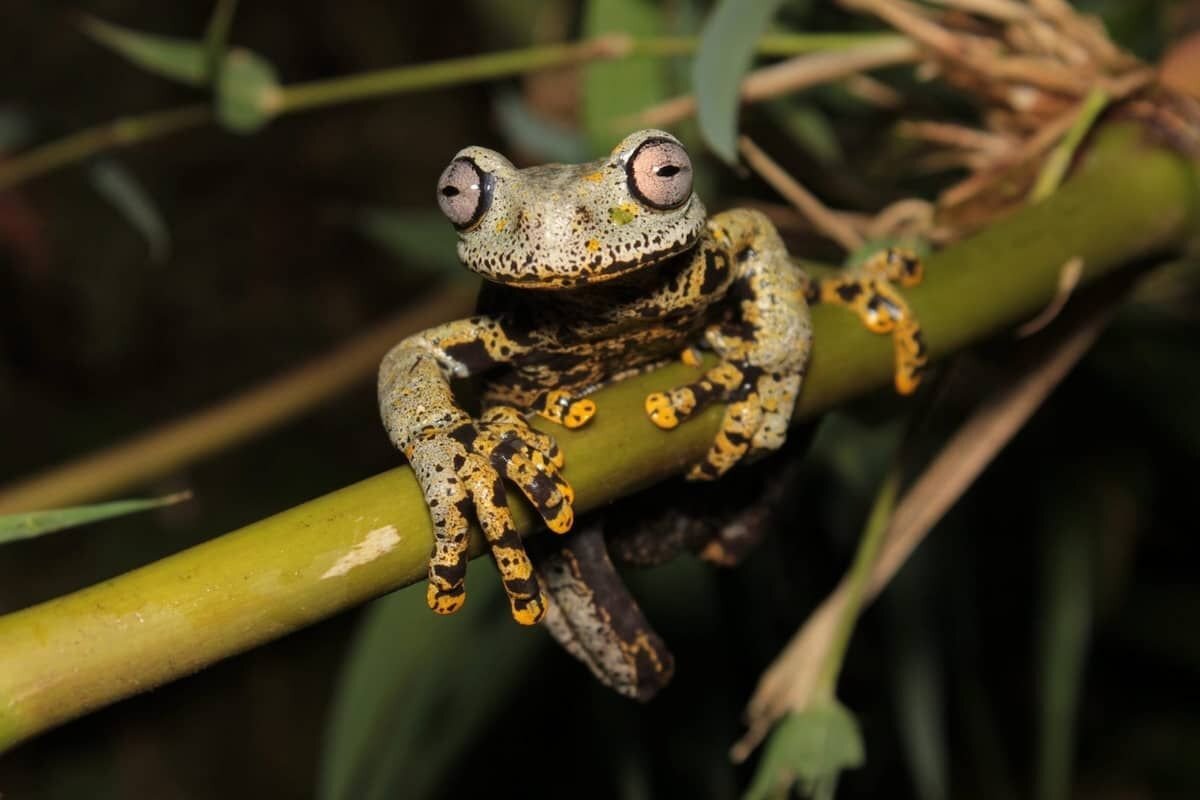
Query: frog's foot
(759, 408)
(459, 468)
(870, 292)
(593, 616)
(690, 356)
(562, 408)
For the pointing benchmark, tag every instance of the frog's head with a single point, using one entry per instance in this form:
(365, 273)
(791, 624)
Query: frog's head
(567, 225)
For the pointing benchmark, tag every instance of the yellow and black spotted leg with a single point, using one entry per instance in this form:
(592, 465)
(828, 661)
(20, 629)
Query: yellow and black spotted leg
(869, 290)
(764, 349)
(563, 408)
(595, 619)
(461, 463)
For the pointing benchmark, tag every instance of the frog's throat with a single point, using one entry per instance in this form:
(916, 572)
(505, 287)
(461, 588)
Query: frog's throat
(602, 274)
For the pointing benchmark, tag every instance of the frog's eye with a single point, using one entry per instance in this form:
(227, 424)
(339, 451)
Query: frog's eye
(464, 192)
(660, 173)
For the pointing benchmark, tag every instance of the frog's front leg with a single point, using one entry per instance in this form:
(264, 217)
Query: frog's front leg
(764, 349)
(869, 290)
(459, 461)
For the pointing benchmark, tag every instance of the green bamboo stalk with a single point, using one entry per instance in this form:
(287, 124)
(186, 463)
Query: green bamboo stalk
(67, 656)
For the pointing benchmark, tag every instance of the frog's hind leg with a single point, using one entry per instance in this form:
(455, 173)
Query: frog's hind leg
(869, 290)
(722, 527)
(593, 616)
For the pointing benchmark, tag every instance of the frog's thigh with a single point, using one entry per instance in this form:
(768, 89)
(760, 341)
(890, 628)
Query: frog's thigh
(593, 616)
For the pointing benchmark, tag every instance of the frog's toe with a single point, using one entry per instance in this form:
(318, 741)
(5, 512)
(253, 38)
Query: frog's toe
(777, 396)
(517, 427)
(579, 413)
(539, 480)
(561, 407)
(516, 571)
(738, 428)
(668, 409)
(443, 600)
(661, 410)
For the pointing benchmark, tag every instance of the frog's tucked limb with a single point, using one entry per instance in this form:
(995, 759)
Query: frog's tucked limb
(869, 290)
(459, 461)
(763, 348)
(593, 616)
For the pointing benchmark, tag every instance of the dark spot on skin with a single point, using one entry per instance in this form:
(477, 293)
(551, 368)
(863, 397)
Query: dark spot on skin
(745, 254)
(465, 435)
(473, 355)
(459, 460)
(716, 270)
(848, 291)
(452, 574)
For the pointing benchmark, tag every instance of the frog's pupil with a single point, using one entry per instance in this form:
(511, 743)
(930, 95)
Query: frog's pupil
(669, 171)
(449, 191)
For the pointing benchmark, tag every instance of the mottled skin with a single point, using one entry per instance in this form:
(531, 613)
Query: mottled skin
(597, 271)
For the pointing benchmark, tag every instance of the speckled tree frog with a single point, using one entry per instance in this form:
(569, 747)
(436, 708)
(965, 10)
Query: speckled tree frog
(594, 272)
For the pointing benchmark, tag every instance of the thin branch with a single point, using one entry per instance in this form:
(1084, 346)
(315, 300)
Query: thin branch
(129, 130)
(786, 77)
(824, 220)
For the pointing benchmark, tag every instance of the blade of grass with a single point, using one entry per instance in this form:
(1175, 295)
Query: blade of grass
(15, 527)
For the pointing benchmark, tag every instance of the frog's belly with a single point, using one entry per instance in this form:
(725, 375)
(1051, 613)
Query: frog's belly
(586, 366)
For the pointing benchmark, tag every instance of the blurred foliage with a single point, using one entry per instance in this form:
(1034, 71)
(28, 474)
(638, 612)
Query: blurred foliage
(1041, 639)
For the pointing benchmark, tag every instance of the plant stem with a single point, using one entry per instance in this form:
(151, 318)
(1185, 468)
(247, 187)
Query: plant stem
(864, 559)
(93, 141)
(78, 652)
(89, 142)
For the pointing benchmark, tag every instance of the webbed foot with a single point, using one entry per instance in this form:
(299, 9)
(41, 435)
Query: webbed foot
(459, 468)
(760, 405)
(869, 290)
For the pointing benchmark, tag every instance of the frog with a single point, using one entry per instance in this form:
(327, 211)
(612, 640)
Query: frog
(593, 272)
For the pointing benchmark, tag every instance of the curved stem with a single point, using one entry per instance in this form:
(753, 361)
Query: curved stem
(76, 653)
(129, 130)
(84, 144)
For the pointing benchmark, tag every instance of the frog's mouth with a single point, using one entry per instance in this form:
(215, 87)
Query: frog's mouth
(591, 275)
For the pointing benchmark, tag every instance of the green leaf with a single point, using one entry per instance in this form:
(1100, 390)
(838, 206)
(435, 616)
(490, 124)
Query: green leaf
(119, 187)
(615, 89)
(726, 50)
(810, 129)
(417, 689)
(248, 91)
(14, 527)
(1065, 628)
(216, 36)
(808, 750)
(420, 239)
(181, 60)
